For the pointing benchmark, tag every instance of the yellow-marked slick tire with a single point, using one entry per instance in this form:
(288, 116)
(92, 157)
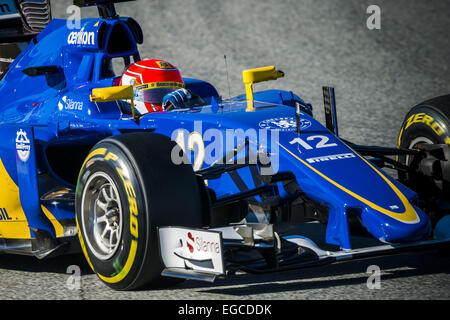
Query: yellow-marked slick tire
(127, 187)
(428, 122)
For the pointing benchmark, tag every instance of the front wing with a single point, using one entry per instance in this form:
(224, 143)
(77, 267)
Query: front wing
(205, 254)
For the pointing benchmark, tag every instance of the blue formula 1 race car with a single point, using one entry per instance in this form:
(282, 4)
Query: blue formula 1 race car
(198, 192)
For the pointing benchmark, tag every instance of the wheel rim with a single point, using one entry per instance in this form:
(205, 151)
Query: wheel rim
(102, 216)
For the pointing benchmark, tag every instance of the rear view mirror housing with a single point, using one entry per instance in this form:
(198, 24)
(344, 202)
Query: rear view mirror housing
(54, 75)
(114, 94)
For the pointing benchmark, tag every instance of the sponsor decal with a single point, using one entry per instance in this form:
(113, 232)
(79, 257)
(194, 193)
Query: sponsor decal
(23, 146)
(69, 104)
(155, 85)
(81, 37)
(190, 242)
(201, 245)
(331, 158)
(191, 249)
(284, 124)
(164, 65)
(7, 7)
(4, 215)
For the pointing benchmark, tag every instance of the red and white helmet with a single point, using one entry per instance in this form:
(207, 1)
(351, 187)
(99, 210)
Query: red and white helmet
(152, 80)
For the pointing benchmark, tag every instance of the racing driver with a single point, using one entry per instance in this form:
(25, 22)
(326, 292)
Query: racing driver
(158, 86)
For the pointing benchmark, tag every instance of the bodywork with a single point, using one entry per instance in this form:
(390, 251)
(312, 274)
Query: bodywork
(48, 124)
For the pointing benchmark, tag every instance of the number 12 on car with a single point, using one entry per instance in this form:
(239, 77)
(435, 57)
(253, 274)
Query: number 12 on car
(314, 142)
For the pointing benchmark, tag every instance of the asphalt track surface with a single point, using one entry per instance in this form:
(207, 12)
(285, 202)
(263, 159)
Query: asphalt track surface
(378, 75)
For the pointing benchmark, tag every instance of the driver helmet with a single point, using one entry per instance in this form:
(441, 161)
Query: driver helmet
(152, 80)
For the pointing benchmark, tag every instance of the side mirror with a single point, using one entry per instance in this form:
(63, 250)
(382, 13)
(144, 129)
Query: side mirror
(255, 76)
(53, 74)
(114, 94)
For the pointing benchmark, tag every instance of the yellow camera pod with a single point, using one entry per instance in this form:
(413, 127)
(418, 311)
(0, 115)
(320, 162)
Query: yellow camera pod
(252, 76)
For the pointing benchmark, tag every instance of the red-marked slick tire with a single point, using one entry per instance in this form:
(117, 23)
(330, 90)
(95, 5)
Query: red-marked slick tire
(127, 187)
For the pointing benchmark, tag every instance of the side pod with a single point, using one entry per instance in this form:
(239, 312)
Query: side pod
(43, 237)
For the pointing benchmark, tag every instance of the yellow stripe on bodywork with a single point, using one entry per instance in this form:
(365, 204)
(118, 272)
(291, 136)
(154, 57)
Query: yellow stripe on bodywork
(408, 216)
(59, 229)
(17, 228)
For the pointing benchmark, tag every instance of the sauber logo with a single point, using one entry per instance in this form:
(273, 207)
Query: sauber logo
(81, 37)
(23, 145)
(200, 245)
(190, 242)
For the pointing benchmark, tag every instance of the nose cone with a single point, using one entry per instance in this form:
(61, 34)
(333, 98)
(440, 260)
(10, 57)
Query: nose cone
(396, 229)
(340, 178)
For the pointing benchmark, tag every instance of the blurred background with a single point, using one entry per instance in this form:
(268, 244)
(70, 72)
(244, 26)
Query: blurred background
(378, 74)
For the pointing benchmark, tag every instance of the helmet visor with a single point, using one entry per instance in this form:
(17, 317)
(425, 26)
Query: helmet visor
(156, 91)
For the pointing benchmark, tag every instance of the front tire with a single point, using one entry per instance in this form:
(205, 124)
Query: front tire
(427, 123)
(127, 188)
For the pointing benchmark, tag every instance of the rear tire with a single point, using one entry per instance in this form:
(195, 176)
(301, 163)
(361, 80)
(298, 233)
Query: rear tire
(127, 188)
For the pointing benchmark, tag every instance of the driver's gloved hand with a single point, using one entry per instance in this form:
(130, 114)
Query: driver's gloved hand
(176, 99)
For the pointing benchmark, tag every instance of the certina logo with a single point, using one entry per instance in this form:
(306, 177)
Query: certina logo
(284, 124)
(331, 158)
(5, 8)
(81, 37)
(23, 145)
(198, 244)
